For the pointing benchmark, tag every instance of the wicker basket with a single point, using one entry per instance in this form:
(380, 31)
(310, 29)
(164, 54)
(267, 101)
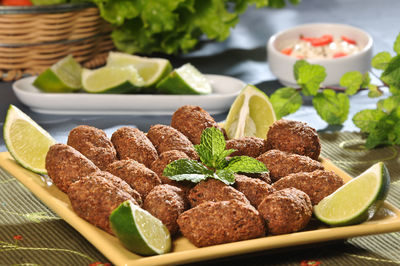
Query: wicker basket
(33, 38)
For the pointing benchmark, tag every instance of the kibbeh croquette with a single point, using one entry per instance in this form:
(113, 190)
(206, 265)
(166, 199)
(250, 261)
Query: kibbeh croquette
(280, 163)
(212, 223)
(94, 144)
(317, 184)
(166, 138)
(131, 143)
(286, 211)
(137, 175)
(163, 160)
(66, 165)
(254, 189)
(214, 190)
(95, 196)
(166, 203)
(191, 121)
(249, 146)
(294, 137)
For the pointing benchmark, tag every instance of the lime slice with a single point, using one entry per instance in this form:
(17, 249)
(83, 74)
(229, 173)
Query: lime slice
(185, 80)
(63, 76)
(357, 200)
(152, 70)
(112, 80)
(26, 141)
(250, 115)
(139, 231)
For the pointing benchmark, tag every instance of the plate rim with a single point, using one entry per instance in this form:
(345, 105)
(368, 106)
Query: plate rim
(36, 185)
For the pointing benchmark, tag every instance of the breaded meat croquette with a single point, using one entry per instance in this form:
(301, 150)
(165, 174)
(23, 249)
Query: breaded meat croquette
(163, 160)
(286, 211)
(213, 223)
(94, 197)
(280, 163)
(94, 144)
(317, 184)
(166, 138)
(66, 165)
(294, 137)
(262, 176)
(249, 146)
(214, 190)
(137, 175)
(254, 189)
(131, 143)
(191, 120)
(166, 203)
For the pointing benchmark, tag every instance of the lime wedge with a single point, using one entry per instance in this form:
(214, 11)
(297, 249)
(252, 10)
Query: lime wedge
(63, 76)
(357, 200)
(152, 70)
(250, 115)
(26, 141)
(185, 80)
(139, 231)
(112, 80)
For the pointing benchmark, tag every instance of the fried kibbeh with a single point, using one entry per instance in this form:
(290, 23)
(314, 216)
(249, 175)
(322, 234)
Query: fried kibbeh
(94, 144)
(254, 189)
(286, 211)
(191, 120)
(262, 176)
(294, 137)
(131, 143)
(166, 138)
(317, 184)
(280, 163)
(214, 190)
(212, 223)
(166, 203)
(137, 175)
(66, 165)
(249, 146)
(95, 196)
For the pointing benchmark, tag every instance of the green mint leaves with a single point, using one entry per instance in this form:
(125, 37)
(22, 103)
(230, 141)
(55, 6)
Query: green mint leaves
(213, 163)
(286, 101)
(309, 77)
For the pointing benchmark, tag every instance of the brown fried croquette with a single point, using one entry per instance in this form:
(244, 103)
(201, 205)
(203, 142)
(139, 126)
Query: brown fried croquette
(249, 146)
(254, 189)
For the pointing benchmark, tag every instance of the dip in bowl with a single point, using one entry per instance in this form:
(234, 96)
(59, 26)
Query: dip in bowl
(337, 47)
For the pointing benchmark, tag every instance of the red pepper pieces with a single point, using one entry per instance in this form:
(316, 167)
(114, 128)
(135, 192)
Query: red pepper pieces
(287, 51)
(318, 41)
(339, 54)
(348, 40)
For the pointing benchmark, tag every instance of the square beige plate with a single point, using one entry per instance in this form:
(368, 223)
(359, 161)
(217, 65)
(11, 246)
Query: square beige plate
(183, 251)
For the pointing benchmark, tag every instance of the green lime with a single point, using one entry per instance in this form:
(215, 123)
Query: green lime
(63, 76)
(112, 80)
(152, 70)
(26, 141)
(357, 200)
(250, 115)
(185, 80)
(139, 231)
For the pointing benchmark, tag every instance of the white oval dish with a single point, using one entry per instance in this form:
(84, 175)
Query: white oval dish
(281, 65)
(225, 90)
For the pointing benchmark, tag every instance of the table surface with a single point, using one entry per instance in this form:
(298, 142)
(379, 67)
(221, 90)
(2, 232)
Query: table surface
(243, 55)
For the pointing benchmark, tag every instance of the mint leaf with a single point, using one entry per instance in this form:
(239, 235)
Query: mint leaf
(285, 101)
(386, 131)
(212, 146)
(352, 81)
(389, 104)
(186, 167)
(226, 176)
(195, 178)
(297, 66)
(310, 78)
(366, 80)
(373, 91)
(396, 46)
(332, 107)
(381, 60)
(367, 120)
(391, 75)
(245, 164)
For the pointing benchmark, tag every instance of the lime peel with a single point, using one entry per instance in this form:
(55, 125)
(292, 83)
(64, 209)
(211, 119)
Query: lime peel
(26, 141)
(357, 200)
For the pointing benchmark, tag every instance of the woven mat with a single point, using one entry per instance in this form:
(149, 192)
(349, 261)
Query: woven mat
(31, 234)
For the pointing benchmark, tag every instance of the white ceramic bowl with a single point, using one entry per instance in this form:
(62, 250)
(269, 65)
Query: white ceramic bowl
(281, 65)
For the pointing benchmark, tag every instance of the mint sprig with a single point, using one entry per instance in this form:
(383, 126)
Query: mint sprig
(381, 125)
(213, 162)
